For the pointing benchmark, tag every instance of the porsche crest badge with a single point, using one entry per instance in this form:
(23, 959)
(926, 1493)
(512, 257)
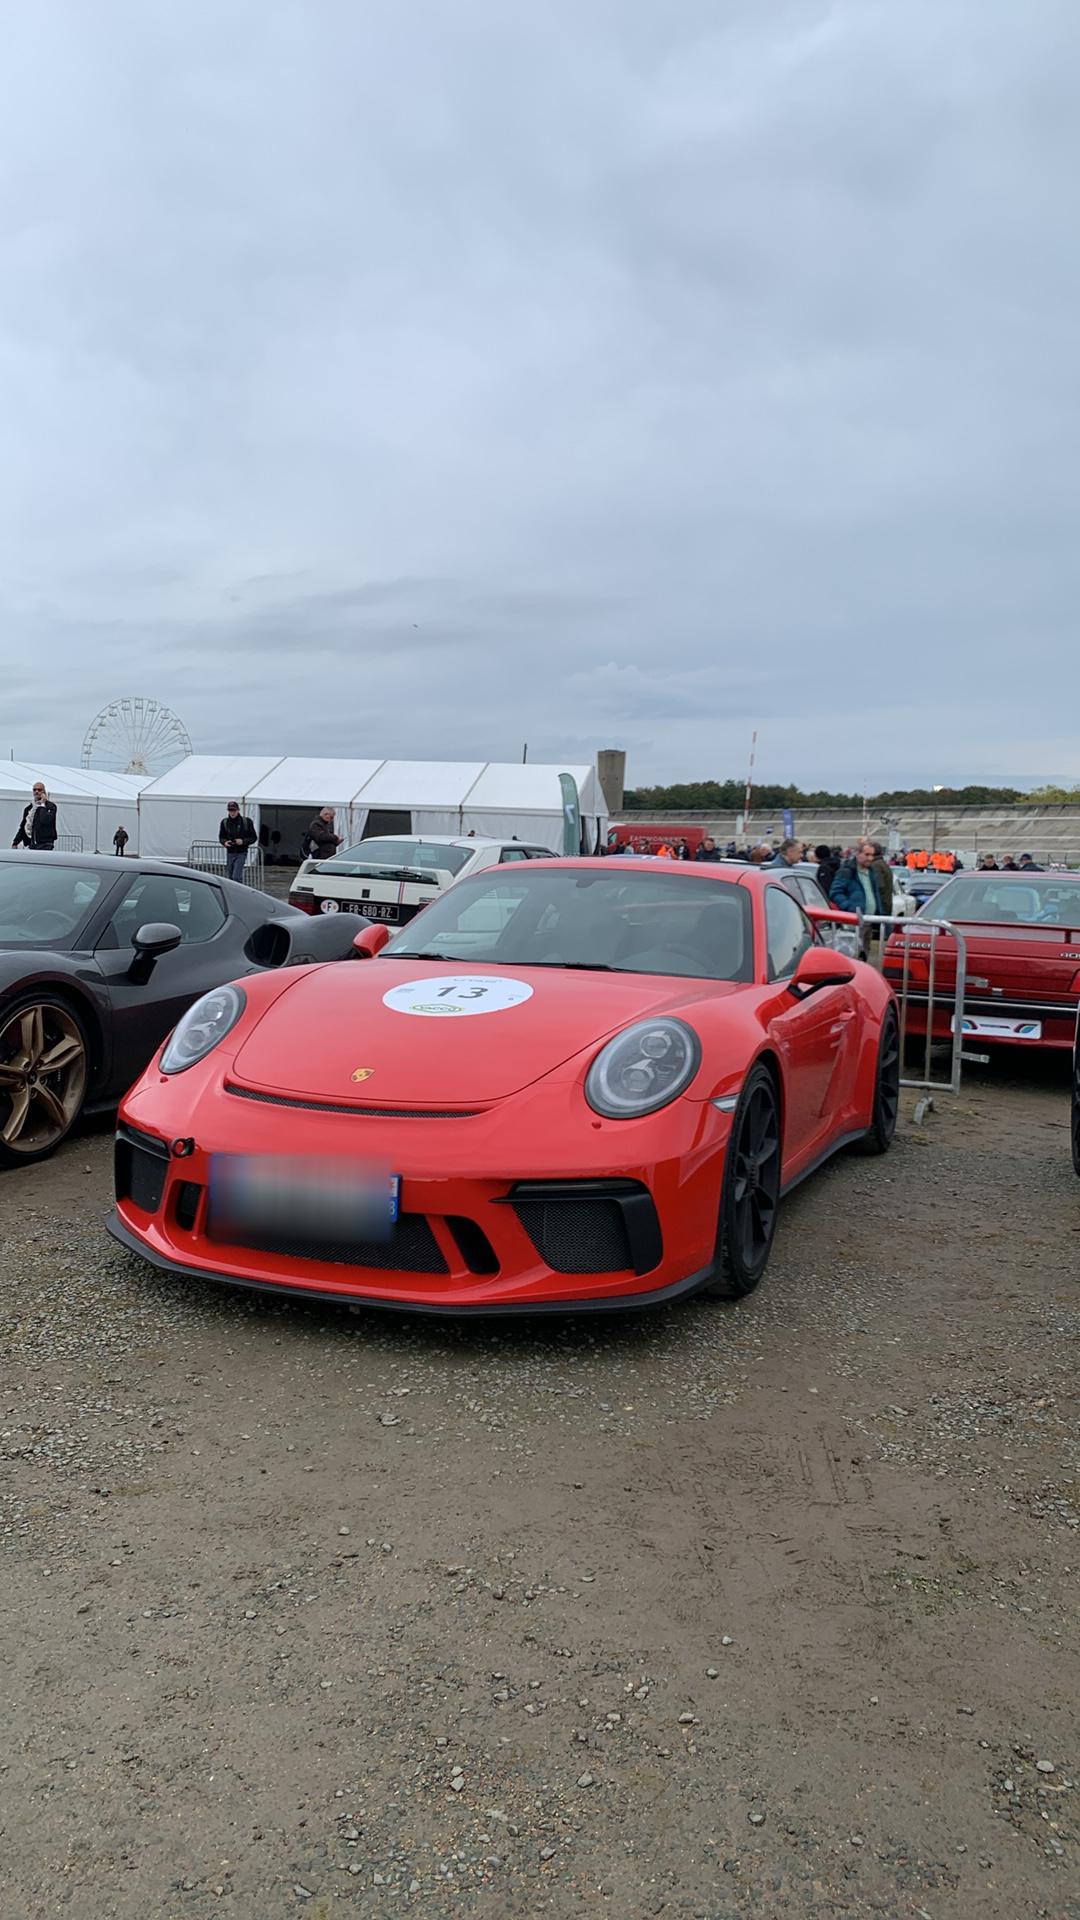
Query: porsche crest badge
(362, 1073)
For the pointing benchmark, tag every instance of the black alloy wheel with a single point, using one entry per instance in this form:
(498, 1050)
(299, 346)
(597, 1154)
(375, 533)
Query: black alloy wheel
(750, 1195)
(43, 1075)
(878, 1137)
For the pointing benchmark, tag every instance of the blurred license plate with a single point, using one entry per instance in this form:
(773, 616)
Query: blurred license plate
(369, 909)
(994, 1029)
(317, 1200)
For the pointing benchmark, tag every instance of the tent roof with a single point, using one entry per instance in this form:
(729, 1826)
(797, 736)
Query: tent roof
(298, 782)
(421, 783)
(295, 780)
(515, 787)
(69, 783)
(210, 776)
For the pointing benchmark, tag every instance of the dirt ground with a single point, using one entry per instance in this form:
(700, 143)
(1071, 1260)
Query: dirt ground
(765, 1610)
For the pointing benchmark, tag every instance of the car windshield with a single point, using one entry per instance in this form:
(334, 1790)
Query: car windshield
(404, 853)
(44, 906)
(1039, 899)
(611, 919)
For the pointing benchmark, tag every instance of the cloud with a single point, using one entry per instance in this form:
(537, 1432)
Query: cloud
(424, 380)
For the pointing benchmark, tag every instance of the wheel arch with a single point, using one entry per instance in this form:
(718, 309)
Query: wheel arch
(771, 1062)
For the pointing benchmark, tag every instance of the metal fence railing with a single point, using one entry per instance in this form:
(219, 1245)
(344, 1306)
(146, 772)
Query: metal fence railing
(904, 939)
(69, 843)
(208, 856)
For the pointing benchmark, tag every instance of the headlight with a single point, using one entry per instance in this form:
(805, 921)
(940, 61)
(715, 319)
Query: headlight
(642, 1069)
(202, 1026)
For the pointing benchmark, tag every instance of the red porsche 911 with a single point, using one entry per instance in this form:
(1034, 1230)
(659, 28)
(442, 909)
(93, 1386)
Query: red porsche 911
(567, 1084)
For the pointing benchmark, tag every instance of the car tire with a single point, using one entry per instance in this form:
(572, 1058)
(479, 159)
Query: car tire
(44, 1070)
(750, 1192)
(879, 1135)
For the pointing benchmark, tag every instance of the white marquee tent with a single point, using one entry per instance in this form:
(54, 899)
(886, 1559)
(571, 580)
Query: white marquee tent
(90, 804)
(184, 806)
(281, 794)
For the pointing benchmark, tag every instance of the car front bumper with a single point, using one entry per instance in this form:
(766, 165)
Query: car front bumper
(611, 1214)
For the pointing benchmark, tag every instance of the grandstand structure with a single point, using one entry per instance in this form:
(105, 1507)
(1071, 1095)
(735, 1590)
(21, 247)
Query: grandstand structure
(1048, 833)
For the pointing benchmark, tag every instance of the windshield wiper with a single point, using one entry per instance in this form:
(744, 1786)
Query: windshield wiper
(483, 960)
(572, 966)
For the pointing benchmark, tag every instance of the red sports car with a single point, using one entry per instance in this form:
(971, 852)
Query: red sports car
(566, 1084)
(1022, 975)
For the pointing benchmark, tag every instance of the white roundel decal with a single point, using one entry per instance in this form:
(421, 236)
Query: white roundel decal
(328, 906)
(462, 993)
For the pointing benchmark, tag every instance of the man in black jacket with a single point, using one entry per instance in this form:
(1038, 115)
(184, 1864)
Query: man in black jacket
(237, 834)
(37, 828)
(828, 867)
(320, 842)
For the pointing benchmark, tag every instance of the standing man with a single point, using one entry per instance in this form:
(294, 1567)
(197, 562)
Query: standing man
(828, 862)
(320, 840)
(788, 854)
(119, 841)
(708, 849)
(883, 872)
(37, 828)
(855, 888)
(237, 834)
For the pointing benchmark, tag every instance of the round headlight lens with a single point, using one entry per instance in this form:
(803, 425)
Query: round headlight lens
(642, 1069)
(202, 1026)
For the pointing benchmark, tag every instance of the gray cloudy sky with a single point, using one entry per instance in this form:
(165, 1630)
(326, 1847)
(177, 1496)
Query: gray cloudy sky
(420, 378)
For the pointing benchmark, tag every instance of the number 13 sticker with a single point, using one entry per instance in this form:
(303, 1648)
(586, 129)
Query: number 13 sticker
(462, 994)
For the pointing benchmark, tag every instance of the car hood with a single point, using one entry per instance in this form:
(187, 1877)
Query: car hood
(397, 1032)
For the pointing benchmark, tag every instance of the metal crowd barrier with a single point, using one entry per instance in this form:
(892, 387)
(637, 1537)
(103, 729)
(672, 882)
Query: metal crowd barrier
(69, 843)
(208, 856)
(921, 935)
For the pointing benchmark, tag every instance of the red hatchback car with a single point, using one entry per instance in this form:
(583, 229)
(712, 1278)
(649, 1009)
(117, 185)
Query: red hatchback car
(567, 1084)
(1022, 934)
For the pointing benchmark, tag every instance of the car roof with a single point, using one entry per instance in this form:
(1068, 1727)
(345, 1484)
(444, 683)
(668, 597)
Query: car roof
(731, 872)
(443, 840)
(109, 862)
(1024, 875)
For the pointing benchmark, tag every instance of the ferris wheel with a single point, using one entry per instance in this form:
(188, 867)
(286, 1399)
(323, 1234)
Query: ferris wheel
(135, 736)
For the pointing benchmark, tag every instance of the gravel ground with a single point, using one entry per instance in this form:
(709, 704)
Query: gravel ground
(766, 1610)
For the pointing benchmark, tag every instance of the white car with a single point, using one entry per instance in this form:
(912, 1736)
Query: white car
(904, 900)
(392, 878)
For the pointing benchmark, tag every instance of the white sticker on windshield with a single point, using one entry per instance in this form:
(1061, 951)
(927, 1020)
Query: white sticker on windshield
(462, 993)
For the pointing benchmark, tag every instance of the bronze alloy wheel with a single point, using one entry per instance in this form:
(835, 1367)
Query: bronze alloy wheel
(42, 1078)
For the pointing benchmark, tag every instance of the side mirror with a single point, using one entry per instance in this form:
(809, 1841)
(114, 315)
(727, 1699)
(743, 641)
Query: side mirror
(371, 940)
(820, 967)
(150, 942)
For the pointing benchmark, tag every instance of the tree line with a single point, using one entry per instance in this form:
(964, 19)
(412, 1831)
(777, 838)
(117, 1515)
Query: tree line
(729, 796)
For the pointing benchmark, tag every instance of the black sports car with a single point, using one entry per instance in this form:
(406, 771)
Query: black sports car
(99, 957)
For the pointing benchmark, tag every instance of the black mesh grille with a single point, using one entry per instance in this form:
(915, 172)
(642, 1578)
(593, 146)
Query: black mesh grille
(346, 1106)
(577, 1236)
(411, 1248)
(140, 1166)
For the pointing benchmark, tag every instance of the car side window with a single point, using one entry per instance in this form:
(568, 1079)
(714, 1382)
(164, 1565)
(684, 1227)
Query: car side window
(182, 902)
(812, 893)
(512, 853)
(788, 933)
